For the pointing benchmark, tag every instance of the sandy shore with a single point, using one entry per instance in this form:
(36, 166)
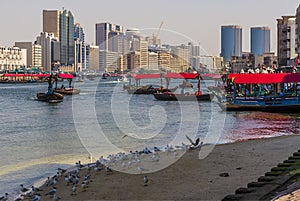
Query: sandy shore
(225, 169)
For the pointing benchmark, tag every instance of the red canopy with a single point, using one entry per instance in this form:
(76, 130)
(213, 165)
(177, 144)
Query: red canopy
(145, 76)
(181, 75)
(264, 78)
(66, 76)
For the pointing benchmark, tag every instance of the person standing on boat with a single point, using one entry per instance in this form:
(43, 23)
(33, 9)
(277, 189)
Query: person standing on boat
(51, 79)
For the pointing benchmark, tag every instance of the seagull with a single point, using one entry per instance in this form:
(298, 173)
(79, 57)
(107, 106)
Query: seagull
(35, 189)
(23, 188)
(56, 198)
(108, 170)
(193, 143)
(51, 192)
(4, 197)
(37, 197)
(54, 181)
(146, 180)
(74, 189)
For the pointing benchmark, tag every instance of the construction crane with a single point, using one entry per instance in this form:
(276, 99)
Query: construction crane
(155, 40)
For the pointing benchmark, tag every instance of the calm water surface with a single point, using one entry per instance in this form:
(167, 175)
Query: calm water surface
(37, 137)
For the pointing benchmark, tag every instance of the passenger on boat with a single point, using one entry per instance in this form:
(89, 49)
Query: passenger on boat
(51, 79)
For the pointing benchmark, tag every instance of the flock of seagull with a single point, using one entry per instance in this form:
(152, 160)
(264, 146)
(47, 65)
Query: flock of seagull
(77, 184)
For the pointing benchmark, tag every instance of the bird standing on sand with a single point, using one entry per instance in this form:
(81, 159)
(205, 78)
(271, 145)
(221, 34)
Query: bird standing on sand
(4, 197)
(51, 192)
(146, 180)
(23, 189)
(74, 189)
(56, 198)
(37, 197)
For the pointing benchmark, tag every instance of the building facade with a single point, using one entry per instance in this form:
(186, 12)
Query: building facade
(94, 58)
(12, 58)
(260, 40)
(45, 40)
(104, 32)
(51, 22)
(231, 41)
(286, 40)
(33, 55)
(61, 25)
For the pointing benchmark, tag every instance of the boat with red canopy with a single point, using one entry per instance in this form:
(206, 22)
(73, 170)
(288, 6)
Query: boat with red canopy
(276, 92)
(186, 92)
(70, 90)
(147, 89)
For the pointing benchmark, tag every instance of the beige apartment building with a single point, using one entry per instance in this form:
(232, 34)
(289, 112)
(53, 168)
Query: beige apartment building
(34, 53)
(94, 58)
(12, 58)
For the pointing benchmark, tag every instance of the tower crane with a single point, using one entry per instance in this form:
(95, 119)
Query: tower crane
(155, 36)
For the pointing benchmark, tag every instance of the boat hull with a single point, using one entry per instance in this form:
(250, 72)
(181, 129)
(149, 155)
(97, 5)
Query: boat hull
(51, 98)
(266, 108)
(67, 91)
(182, 97)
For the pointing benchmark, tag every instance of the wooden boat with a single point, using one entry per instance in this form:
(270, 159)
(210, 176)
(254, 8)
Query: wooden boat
(50, 98)
(67, 91)
(184, 96)
(278, 99)
(147, 89)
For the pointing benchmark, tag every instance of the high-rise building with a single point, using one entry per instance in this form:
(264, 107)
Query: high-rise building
(45, 40)
(51, 22)
(36, 56)
(260, 40)
(94, 58)
(231, 41)
(67, 43)
(81, 49)
(286, 40)
(298, 29)
(105, 32)
(61, 24)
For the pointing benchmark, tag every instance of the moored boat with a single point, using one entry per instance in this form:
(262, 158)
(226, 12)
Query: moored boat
(186, 93)
(182, 97)
(264, 92)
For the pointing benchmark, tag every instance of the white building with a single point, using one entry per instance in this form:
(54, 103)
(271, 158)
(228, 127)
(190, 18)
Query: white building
(45, 41)
(12, 58)
(286, 40)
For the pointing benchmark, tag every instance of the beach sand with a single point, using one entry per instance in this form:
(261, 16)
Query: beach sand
(226, 168)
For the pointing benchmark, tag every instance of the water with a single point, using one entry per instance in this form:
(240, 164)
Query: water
(37, 137)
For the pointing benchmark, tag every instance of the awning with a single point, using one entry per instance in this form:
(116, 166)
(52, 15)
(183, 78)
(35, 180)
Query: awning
(146, 76)
(182, 75)
(66, 76)
(264, 78)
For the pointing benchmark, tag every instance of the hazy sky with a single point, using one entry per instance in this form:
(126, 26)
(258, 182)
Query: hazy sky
(183, 20)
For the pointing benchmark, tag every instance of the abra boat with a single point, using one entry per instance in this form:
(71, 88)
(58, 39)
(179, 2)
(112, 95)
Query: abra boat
(147, 89)
(186, 94)
(67, 91)
(50, 98)
(264, 92)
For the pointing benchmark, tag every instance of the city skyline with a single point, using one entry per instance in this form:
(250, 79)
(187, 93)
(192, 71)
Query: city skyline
(184, 21)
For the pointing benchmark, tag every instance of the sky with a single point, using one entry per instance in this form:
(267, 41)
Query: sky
(197, 21)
